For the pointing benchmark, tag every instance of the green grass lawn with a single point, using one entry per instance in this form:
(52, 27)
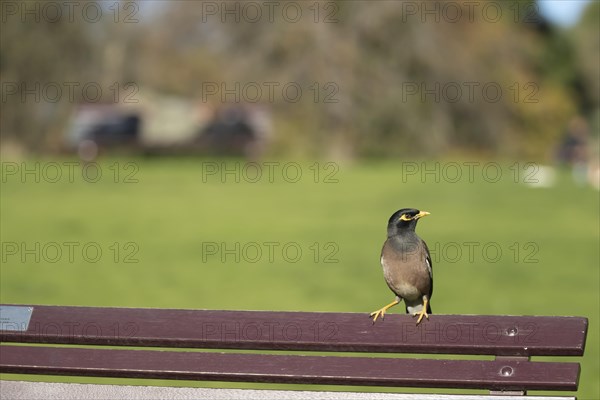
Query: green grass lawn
(500, 247)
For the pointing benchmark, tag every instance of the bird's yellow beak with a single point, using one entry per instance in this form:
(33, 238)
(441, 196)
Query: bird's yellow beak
(421, 214)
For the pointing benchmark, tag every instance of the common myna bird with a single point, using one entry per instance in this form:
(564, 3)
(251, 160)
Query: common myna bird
(407, 265)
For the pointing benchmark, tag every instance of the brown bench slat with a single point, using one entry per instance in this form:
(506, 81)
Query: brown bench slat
(462, 334)
(469, 374)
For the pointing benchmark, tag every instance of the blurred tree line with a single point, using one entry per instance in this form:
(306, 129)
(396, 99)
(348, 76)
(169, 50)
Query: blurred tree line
(378, 79)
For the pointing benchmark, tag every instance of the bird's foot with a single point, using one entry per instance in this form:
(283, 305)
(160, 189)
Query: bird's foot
(381, 311)
(378, 313)
(421, 314)
(423, 310)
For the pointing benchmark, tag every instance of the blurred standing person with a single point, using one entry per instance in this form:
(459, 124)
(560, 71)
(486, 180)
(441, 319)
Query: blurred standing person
(573, 149)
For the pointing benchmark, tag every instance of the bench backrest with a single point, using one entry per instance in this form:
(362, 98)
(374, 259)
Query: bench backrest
(512, 339)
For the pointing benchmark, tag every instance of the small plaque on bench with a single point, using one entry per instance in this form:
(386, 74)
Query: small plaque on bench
(15, 318)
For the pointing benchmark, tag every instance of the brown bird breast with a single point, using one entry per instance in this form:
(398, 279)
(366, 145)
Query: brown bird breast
(405, 268)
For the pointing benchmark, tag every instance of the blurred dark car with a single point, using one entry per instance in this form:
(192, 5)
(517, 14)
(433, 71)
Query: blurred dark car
(117, 131)
(96, 128)
(231, 132)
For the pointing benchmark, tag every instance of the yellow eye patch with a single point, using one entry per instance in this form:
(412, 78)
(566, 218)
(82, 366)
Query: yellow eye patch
(405, 217)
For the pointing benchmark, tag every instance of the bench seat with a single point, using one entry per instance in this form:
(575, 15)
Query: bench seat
(509, 341)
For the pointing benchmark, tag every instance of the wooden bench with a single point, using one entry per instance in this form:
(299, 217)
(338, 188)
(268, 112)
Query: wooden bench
(512, 340)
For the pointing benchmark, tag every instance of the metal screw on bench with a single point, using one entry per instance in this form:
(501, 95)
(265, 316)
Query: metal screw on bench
(506, 371)
(512, 331)
(407, 266)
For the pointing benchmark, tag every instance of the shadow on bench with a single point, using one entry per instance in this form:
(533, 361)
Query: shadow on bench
(511, 339)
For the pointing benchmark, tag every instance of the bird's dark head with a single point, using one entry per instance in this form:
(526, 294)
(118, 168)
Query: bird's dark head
(404, 220)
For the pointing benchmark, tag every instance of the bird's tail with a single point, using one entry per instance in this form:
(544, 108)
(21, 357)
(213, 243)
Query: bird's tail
(429, 308)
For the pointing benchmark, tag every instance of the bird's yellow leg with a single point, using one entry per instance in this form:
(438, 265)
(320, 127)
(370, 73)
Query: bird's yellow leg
(381, 311)
(423, 311)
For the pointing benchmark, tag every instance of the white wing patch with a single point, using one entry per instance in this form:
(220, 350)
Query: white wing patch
(428, 266)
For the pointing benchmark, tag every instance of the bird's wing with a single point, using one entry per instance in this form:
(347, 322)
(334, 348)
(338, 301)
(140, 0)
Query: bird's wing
(429, 267)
